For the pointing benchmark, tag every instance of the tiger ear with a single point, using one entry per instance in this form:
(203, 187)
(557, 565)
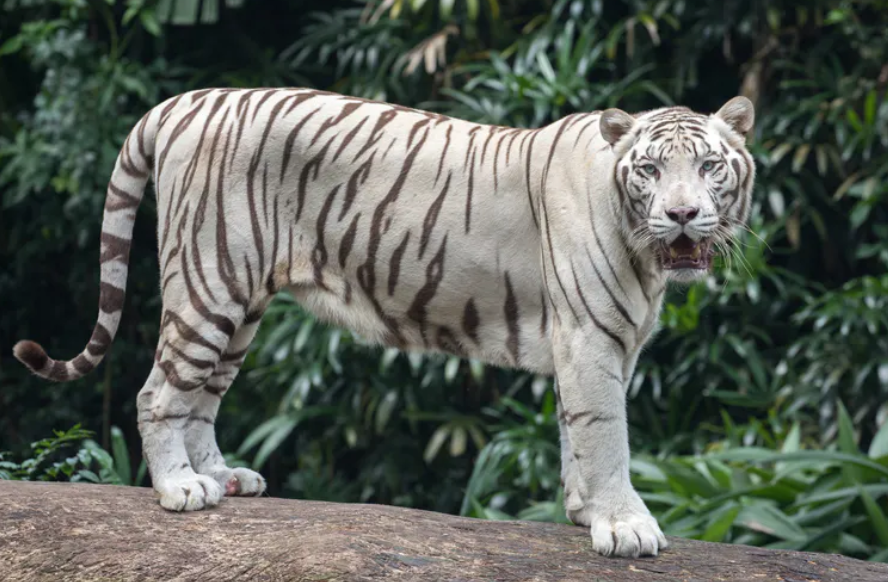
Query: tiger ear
(739, 114)
(614, 124)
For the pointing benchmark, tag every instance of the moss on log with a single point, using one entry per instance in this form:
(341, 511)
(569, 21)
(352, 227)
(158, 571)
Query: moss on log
(53, 531)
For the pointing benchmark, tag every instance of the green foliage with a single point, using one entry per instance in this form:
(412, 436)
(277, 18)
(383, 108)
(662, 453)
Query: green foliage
(89, 463)
(520, 467)
(186, 12)
(779, 495)
(784, 497)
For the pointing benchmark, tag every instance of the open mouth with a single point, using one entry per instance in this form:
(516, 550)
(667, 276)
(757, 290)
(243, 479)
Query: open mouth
(685, 253)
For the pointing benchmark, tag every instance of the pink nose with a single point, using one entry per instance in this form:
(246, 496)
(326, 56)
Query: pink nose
(682, 214)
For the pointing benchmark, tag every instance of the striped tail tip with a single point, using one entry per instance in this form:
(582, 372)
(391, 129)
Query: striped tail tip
(32, 355)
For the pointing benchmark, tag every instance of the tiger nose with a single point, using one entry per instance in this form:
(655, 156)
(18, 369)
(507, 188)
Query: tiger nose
(682, 214)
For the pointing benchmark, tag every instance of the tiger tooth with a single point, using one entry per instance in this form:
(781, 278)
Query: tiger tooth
(696, 253)
(673, 253)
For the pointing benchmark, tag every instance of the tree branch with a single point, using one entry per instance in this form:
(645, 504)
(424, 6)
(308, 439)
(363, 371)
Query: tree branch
(54, 531)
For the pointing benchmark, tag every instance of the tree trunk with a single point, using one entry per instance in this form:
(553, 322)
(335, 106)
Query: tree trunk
(52, 531)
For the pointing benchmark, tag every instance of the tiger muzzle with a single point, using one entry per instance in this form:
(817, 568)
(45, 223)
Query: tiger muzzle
(685, 253)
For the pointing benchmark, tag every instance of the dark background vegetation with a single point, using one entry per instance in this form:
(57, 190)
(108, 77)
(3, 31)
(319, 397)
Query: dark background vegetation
(756, 414)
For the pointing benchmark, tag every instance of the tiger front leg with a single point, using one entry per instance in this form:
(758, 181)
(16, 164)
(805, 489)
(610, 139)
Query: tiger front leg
(595, 447)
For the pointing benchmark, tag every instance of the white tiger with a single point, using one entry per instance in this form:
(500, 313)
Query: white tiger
(545, 249)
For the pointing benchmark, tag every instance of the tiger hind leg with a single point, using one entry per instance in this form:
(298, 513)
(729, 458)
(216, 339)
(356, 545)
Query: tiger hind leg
(200, 437)
(174, 407)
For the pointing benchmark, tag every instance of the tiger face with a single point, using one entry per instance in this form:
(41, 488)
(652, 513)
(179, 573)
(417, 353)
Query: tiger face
(684, 181)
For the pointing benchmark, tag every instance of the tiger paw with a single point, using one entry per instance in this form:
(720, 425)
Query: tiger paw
(623, 528)
(244, 482)
(238, 481)
(189, 492)
(628, 535)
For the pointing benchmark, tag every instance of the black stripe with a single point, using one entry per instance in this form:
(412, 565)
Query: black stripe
(620, 307)
(594, 319)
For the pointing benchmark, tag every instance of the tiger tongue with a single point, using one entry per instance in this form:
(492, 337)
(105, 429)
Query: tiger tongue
(682, 246)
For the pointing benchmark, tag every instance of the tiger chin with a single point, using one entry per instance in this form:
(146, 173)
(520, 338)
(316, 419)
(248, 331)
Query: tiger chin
(544, 249)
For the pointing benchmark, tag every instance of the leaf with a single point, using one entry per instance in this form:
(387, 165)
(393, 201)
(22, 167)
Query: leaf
(458, 441)
(445, 8)
(869, 108)
(845, 493)
(879, 446)
(859, 214)
(814, 458)
(451, 368)
(778, 152)
(472, 9)
(776, 201)
(261, 432)
(12, 45)
(384, 412)
(848, 444)
(876, 515)
(87, 475)
(436, 442)
(274, 440)
(719, 527)
(800, 156)
(770, 520)
(304, 333)
(854, 120)
(121, 456)
(150, 22)
(822, 160)
(493, 514)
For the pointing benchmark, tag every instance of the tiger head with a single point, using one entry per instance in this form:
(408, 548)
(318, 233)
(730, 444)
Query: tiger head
(684, 181)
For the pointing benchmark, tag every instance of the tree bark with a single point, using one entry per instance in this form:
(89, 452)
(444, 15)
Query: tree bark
(54, 531)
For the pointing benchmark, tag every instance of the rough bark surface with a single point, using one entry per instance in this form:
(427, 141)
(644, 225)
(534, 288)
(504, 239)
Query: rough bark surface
(89, 532)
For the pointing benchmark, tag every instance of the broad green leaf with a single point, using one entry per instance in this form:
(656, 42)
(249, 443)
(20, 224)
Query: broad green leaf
(436, 442)
(384, 412)
(880, 556)
(876, 515)
(646, 469)
(876, 490)
(848, 444)
(879, 446)
(828, 532)
(472, 9)
(445, 8)
(816, 460)
(458, 440)
(450, 369)
(121, 456)
(273, 441)
(721, 525)
(770, 520)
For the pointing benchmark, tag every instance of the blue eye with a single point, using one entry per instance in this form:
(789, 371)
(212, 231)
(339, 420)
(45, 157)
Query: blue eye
(649, 169)
(707, 165)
